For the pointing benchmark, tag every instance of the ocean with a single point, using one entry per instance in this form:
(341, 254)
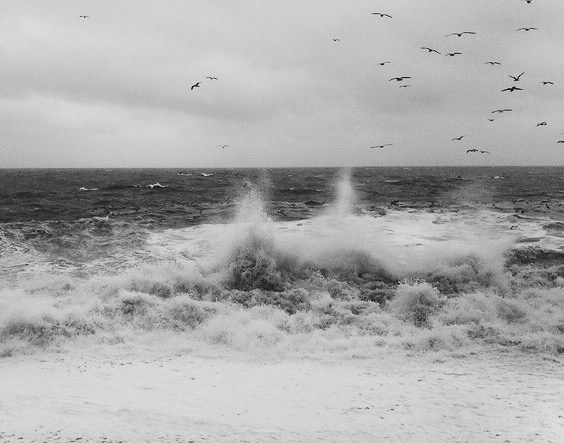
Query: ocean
(301, 261)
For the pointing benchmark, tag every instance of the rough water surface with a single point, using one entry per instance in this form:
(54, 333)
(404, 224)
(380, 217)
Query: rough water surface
(283, 262)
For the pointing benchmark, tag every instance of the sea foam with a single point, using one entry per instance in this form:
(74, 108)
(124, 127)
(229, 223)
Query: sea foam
(340, 283)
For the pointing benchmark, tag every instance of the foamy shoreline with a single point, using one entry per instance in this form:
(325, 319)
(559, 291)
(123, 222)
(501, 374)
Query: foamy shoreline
(423, 397)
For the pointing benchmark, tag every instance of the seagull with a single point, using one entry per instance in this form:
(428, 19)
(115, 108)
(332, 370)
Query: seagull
(501, 110)
(399, 79)
(527, 29)
(84, 16)
(458, 138)
(477, 150)
(460, 34)
(212, 78)
(492, 63)
(547, 83)
(381, 146)
(491, 119)
(528, 1)
(405, 86)
(381, 14)
(429, 49)
(452, 54)
(222, 146)
(512, 89)
(541, 124)
(336, 39)
(383, 63)
(196, 85)
(517, 78)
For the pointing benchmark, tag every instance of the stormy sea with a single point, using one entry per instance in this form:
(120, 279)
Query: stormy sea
(284, 262)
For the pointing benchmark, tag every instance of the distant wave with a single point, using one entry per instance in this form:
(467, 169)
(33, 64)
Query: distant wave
(155, 185)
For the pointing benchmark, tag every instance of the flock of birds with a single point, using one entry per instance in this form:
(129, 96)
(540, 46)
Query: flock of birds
(430, 50)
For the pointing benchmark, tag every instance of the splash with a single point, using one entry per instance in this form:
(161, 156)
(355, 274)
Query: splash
(346, 196)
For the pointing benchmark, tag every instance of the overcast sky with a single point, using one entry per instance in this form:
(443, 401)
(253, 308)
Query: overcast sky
(113, 90)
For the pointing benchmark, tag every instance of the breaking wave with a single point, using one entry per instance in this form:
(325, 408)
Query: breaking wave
(340, 283)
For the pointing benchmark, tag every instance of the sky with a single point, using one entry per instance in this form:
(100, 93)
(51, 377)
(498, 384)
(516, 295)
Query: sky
(113, 90)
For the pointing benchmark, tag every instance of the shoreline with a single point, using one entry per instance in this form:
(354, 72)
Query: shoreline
(422, 397)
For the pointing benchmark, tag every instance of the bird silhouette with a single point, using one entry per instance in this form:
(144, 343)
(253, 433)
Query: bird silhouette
(398, 79)
(429, 49)
(547, 83)
(196, 85)
(500, 111)
(223, 146)
(383, 63)
(517, 78)
(492, 63)
(512, 89)
(212, 78)
(84, 16)
(458, 138)
(381, 14)
(405, 86)
(477, 150)
(460, 34)
(452, 54)
(381, 146)
(527, 29)
(491, 119)
(336, 39)
(528, 1)
(560, 141)
(541, 124)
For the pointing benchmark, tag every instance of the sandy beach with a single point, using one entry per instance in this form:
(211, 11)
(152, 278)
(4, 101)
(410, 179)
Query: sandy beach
(431, 397)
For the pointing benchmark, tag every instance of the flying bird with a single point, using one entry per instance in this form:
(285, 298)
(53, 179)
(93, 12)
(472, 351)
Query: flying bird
(527, 29)
(383, 63)
(492, 63)
(458, 138)
(398, 79)
(223, 146)
(84, 16)
(517, 78)
(336, 39)
(196, 85)
(405, 86)
(381, 146)
(528, 1)
(381, 14)
(501, 110)
(477, 150)
(452, 54)
(541, 124)
(429, 49)
(460, 34)
(212, 78)
(491, 119)
(560, 141)
(547, 83)
(512, 89)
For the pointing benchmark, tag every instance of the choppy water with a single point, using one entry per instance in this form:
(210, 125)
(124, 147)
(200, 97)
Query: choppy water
(283, 260)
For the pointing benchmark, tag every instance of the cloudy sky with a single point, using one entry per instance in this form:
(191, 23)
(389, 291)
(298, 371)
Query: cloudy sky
(113, 90)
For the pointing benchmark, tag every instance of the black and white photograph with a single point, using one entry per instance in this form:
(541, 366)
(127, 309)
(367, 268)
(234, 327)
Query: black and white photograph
(281, 221)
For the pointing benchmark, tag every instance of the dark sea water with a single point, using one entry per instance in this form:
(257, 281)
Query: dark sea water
(184, 197)
(401, 257)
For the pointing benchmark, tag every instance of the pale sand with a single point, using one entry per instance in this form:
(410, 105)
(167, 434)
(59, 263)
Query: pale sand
(427, 397)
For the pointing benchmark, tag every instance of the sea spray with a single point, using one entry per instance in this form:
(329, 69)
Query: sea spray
(252, 258)
(346, 197)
